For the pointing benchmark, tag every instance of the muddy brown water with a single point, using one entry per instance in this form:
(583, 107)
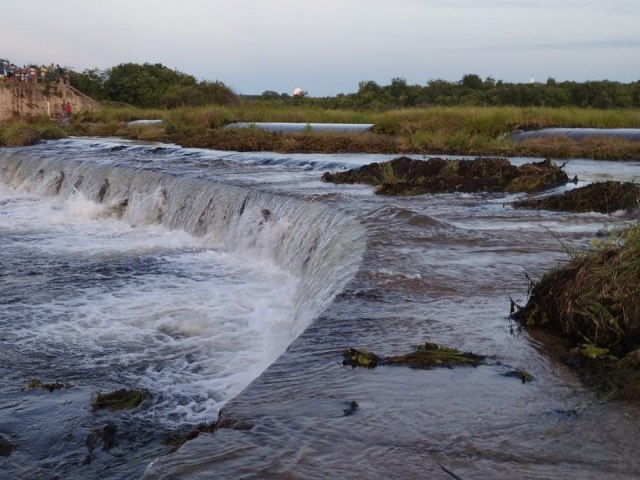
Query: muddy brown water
(437, 268)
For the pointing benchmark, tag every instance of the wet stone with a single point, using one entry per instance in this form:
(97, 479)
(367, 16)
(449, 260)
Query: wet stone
(6, 447)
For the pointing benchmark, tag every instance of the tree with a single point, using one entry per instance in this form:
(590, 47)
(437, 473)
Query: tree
(143, 85)
(472, 81)
(90, 82)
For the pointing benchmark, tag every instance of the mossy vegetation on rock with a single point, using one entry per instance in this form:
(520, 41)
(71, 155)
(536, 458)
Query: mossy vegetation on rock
(602, 197)
(35, 383)
(360, 358)
(594, 302)
(425, 356)
(119, 399)
(406, 176)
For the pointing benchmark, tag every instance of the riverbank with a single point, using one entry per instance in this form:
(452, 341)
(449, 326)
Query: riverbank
(438, 130)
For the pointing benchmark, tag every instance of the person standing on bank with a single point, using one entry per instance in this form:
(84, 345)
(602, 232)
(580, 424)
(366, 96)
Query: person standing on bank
(67, 109)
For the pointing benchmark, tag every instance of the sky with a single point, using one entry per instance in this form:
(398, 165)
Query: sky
(327, 47)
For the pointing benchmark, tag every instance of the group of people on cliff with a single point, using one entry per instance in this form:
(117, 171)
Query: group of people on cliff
(9, 72)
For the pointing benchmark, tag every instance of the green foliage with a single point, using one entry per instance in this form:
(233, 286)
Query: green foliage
(20, 133)
(143, 85)
(471, 90)
(89, 82)
(204, 93)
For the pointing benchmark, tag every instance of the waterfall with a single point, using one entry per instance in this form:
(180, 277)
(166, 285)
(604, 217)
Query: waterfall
(321, 246)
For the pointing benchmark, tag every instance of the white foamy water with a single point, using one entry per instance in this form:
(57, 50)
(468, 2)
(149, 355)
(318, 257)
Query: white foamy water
(159, 309)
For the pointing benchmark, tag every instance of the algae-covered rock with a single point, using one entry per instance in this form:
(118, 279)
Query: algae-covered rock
(432, 355)
(602, 197)
(119, 399)
(406, 176)
(425, 356)
(360, 358)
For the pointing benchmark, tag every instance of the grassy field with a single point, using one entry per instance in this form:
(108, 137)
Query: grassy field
(437, 130)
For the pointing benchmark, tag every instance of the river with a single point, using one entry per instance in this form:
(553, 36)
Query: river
(234, 281)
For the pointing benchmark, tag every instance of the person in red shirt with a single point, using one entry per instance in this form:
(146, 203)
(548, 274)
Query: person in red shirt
(67, 109)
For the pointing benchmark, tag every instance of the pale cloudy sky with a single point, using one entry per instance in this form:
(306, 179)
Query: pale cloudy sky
(326, 47)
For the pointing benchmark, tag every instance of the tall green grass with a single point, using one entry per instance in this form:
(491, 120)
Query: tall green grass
(461, 130)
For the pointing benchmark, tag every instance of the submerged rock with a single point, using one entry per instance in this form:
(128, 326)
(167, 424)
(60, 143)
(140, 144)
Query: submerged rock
(176, 440)
(351, 409)
(406, 176)
(602, 197)
(6, 447)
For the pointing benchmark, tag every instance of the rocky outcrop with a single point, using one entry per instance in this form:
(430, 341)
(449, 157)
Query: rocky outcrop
(25, 100)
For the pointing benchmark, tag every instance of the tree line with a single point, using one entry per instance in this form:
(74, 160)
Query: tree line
(156, 86)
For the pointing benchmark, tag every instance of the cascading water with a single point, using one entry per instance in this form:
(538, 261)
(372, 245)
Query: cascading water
(235, 280)
(122, 277)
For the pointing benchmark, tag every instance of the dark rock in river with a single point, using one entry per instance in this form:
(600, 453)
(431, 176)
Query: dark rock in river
(602, 197)
(405, 176)
(6, 447)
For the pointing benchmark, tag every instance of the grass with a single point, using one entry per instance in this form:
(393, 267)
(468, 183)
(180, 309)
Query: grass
(594, 301)
(21, 133)
(435, 130)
